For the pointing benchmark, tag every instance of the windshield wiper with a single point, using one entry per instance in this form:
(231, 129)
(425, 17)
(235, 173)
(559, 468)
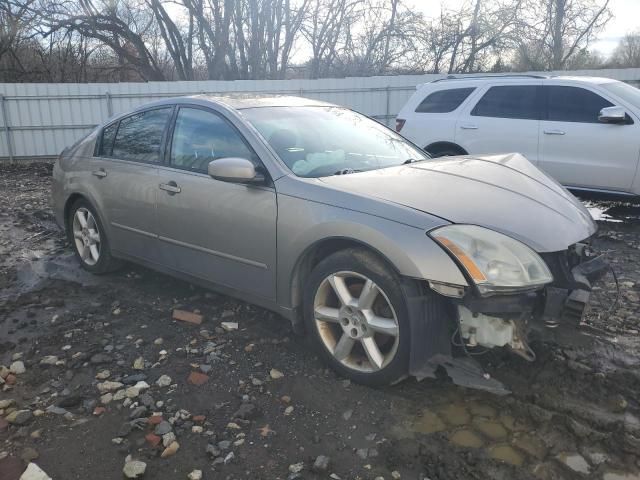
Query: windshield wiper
(412, 160)
(346, 171)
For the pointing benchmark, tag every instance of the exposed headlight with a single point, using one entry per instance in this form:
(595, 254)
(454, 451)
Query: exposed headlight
(495, 262)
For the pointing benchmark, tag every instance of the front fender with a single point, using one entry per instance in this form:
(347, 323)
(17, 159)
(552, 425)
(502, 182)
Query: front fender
(303, 223)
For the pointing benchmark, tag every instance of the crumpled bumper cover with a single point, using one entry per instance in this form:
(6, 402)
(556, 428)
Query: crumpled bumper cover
(565, 301)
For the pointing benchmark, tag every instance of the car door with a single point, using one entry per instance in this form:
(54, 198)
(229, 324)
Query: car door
(579, 151)
(127, 179)
(505, 119)
(219, 231)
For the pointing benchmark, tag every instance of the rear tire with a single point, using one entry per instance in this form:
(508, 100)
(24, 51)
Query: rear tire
(444, 152)
(89, 239)
(356, 315)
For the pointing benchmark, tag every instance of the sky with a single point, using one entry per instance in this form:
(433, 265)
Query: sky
(626, 18)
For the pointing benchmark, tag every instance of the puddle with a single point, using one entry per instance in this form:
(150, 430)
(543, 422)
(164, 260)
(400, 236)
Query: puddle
(615, 475)
(466, 438)
(456, 415)
(428, 423)
(507, 454)
(531, 445)
(492, 430)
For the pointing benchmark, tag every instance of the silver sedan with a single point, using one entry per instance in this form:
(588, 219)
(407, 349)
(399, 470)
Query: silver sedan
(393, 262)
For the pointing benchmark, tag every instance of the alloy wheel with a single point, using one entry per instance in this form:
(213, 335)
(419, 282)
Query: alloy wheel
(356, 321)
(86, 235)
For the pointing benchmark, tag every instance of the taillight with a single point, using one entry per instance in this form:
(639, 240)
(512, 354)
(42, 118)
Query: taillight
(399, 124)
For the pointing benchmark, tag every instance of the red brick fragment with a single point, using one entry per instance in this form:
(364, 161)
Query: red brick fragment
(197, 378)
(155, 419)
(3, 424)
(99, 411)
(153, 439)
(11, 379)
(189, 317)
(198, 418)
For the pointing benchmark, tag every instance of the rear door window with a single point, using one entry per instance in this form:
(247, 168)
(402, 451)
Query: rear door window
(444, 101)
(510, 101)
(574, 104)
(139, 137)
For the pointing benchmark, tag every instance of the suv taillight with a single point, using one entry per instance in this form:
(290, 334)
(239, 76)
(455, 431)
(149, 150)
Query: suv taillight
(399, 124)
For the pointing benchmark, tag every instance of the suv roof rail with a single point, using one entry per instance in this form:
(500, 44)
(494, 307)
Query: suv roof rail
(472, 77)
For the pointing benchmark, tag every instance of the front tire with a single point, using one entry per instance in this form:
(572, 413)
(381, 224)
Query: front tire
(357, 316)
(89, 239)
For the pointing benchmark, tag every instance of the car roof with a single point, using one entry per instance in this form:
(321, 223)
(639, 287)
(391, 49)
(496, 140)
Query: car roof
(515, 78)
(240, 101)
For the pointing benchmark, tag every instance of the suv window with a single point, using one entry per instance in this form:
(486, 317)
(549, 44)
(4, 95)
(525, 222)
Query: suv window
(574, 104)
(509, 101)
(201, 136)
(106, 140)
(139, 136)
(444, 101)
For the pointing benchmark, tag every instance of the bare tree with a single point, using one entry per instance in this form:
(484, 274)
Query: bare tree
(554, 31)
(627, 53)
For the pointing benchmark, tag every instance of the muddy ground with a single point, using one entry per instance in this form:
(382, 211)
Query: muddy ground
(264, 406)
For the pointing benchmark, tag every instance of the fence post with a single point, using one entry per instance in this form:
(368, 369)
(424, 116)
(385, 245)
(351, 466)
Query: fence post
(5, 122)
(107, 96)
(387, 112)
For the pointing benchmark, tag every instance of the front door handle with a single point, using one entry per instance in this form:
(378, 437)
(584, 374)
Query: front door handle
(554, 132)
(469, 127)
(101, 173)
(172, 187)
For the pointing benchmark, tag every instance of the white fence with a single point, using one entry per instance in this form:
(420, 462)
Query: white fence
(39, 120)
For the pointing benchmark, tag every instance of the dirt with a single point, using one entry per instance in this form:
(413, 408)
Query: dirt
(573, 413)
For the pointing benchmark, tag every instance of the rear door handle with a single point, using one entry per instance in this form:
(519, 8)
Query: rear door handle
(171, 187)
(554, 132)
(469, 127)
(101, 173)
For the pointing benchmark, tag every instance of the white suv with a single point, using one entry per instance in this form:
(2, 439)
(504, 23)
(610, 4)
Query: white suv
(583, 131)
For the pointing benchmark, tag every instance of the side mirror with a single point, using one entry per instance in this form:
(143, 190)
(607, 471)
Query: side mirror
(612, 115)
(234, 170)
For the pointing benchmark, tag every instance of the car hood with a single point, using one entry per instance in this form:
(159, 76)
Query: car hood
(505, 193)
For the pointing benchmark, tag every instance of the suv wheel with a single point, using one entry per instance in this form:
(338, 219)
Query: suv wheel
(89, 239)
(357, 316)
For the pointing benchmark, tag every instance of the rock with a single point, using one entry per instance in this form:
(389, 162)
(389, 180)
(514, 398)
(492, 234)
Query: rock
(109, 386)
(276, 374)
(247, 411)
(288, 410)
(29, 454)
(347, 415)
(168, 439)
(195, 475)
(229, 326)
(163, 381)
(575, 462)
(153, 440)
(100, 358)
(396, 475)
(229, 458)
(321, 464)
(138, 412)
(162, 428)
(3, 424)
(133, 379)
(49, 360)
(138, 363)
(99, 411)
(133, 392)
(189, 317)
(170, 450)
(134, 469)
(34, 472)
(106, 398)
(618, 403)
(103, 375)
(197, 378)
(19, 417)
(224, 445)
(71, 401)
(296, 467)
(17, 368)
(6, 403)
(363, 453)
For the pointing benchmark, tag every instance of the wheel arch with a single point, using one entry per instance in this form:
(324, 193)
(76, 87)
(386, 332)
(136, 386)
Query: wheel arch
(443, 145)
(319, 250)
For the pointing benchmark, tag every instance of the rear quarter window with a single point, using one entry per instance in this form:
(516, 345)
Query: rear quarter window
(444, 101)
(105, 140)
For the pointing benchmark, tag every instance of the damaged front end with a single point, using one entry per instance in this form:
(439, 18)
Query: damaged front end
(500, 316)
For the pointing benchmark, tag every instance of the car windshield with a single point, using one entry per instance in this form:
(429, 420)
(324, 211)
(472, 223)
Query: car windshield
(625, 91)
(324, 141)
